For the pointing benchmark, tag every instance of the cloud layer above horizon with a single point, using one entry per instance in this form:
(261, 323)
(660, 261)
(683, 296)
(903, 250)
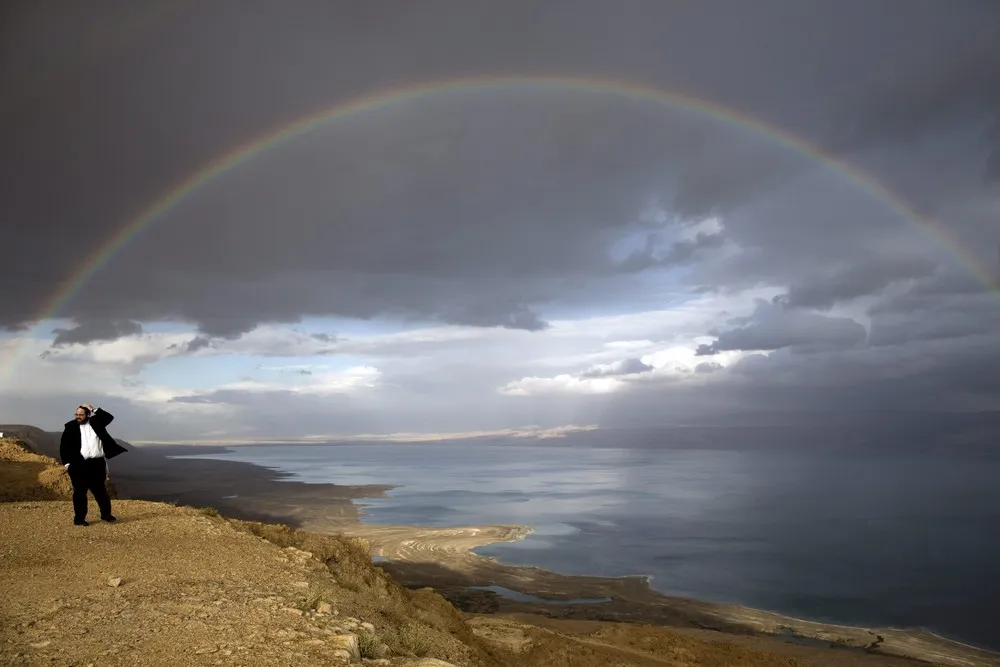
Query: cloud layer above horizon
(490, 257)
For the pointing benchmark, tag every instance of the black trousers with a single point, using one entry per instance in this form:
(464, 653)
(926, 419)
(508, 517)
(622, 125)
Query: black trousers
(89, 475)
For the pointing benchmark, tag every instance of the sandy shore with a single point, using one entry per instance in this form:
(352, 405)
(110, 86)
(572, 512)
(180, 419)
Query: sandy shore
(442, 558)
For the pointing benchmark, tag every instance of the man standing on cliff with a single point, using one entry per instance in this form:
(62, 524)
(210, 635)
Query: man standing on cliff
(84, 450)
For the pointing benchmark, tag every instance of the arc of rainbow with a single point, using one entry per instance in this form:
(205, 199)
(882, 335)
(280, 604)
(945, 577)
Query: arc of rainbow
(247, 151)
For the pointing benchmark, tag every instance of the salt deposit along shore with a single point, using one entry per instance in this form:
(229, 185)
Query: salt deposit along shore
(443, 558)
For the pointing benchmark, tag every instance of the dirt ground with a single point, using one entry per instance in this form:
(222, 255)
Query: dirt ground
(166, 585)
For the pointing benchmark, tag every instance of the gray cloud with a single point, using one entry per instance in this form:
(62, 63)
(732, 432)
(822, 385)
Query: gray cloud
(91, 330)
(773, 327)
(488, 315)
(860, 279)
(681, 251)
(198, 343)
(708, 367)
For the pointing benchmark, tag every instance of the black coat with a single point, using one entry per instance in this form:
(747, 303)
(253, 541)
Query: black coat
(69, 446)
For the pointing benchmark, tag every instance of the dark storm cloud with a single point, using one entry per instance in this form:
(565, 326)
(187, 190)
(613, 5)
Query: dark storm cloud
(502, 188)
(773, 326)
(864, 277)
(940, 307)
(489, 207)
(961, 88)
(88, 331)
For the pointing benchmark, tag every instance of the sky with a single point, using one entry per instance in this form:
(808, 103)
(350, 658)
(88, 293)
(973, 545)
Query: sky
(797, 218)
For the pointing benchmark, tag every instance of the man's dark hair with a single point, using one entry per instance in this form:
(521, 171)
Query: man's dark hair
(86, 410)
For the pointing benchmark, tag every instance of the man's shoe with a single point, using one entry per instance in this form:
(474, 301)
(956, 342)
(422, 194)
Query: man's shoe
(109, 518)
(80, 522)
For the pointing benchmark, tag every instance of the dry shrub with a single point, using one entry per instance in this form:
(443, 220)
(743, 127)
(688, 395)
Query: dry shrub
(368, 645)
(409, 640)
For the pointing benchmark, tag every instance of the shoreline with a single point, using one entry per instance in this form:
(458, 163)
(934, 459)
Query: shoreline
(443, 558)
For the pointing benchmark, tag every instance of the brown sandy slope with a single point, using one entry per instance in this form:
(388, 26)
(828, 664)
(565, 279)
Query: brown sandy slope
(26, 475)
(30, 476)
(173, 585)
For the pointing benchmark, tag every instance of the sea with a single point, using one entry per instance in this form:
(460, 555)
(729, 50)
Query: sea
(857, 535)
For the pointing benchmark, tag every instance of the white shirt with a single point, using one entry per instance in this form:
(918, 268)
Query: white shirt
(90, 444)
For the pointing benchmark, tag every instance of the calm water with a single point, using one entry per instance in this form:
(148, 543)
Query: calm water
(909, 540)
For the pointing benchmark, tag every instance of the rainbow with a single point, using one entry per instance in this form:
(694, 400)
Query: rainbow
(259, 145)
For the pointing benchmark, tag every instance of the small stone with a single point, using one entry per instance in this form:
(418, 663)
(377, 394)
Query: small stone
(368, 627)
(292, 610)
(429, 662)
(316, 642)
(341, 654)
(324, 608)
(207, 649)
(115, 582)
(40, 644)
(301, 584)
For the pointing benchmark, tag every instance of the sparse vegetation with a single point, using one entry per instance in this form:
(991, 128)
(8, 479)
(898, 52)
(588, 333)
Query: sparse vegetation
(408, 640)
(368, 645)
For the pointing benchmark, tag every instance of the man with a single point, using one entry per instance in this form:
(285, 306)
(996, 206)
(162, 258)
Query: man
(84, 450)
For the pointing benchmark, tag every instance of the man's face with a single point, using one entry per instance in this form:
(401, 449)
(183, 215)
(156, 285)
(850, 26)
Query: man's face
(81, 416)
